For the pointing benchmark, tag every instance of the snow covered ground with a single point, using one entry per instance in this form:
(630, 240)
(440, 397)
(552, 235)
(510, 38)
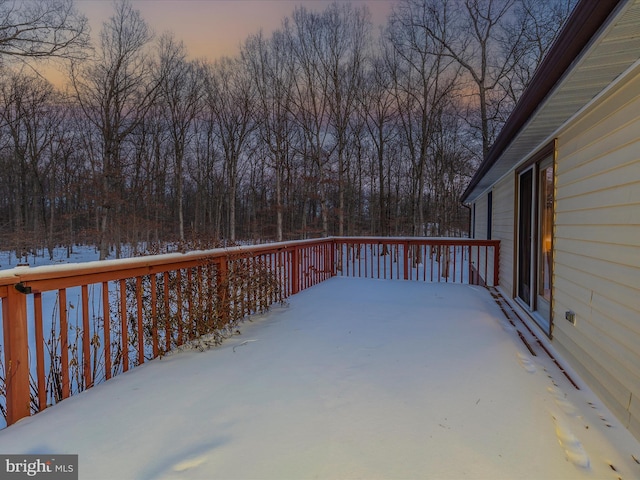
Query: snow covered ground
(79, 254)
(355, 378)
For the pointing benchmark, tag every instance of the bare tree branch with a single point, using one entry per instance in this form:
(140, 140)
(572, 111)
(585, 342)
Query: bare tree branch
(42, 28)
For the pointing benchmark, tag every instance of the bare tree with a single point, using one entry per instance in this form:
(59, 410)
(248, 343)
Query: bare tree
(181, 94)
(310, 131)
(41, 28)
(206, 173)
(498, 43)
(270, 65)
(341, 51)
(471, 33)
(115, 90)
(230, 96)
(70, 198)
(378, 107)
(31, 121)
(311, 105)
(540, 21)
(424, 79)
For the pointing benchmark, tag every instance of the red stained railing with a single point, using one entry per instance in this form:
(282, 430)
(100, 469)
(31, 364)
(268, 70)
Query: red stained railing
(106, 317)
(452, 260)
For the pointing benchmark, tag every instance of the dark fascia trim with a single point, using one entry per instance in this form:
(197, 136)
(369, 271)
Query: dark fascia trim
(586, 19)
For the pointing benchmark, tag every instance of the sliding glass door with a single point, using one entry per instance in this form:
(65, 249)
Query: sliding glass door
(535, 241)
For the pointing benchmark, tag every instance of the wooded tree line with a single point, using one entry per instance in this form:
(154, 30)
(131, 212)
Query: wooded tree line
(324, 127)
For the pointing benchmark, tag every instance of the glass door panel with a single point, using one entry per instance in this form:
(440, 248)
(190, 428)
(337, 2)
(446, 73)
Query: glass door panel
(525, 238)
(545, 236)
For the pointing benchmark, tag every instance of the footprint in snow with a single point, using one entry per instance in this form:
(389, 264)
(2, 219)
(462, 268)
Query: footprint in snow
(562, 401)
(186, 463)
(190, 463)
(571, 445)
(526, 362)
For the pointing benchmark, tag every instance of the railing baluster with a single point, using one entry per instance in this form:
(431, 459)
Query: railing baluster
(496, 264)
(64, 342)
(124, 332)
(167, 312)
(179, 306)
(294, 268)
(304, 255)
(140, 328)
(251, 287)
(106, 320)
(365, 248)
(314, 252)
(405, 260)
(200, 311)
(86, 338)
(190, 304)
(154, 316)
(389, 253)
(281, 275)
(42, 380)
(463, 254)
(472, 259)
(486, 263)
(224, 289)
(304, 252)
(210, 271)
(453, 247)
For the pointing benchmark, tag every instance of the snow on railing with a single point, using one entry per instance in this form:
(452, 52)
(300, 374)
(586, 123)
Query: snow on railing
(68, 327)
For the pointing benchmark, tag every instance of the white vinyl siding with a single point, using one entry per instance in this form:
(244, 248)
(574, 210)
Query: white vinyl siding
(478, 260)
(502, 218)
(597, 249)
(481, 217)
(503, 229)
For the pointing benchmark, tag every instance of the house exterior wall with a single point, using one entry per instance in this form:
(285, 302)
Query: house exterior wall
(503, 229)
(597, 248)
(480, 231)
(481, 217)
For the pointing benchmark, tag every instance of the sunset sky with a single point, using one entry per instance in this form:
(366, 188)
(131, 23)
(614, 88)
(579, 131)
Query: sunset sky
(215, 27)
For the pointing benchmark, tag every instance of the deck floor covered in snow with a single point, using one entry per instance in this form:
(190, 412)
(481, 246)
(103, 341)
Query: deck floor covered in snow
(352, 379)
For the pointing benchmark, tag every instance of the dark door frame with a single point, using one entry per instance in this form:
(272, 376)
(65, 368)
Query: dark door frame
(528, 241)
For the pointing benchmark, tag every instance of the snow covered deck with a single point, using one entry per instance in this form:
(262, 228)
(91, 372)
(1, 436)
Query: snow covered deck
(355, 378)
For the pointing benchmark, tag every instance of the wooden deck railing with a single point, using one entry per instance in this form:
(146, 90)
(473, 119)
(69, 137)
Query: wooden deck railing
(66, 328)
(453, 260)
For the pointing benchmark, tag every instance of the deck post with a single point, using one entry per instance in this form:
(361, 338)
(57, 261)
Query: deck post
(16, 354)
